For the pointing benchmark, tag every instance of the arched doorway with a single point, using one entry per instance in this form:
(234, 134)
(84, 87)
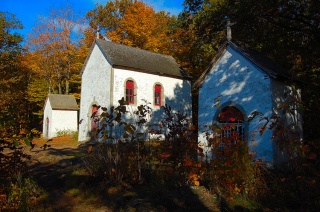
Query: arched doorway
(231, 121)
(94, 120)
(47, 128)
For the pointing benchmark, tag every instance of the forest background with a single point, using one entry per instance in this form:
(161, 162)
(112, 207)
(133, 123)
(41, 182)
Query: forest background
(50, 59)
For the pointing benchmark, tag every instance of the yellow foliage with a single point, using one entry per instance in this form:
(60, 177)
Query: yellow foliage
(142, 27)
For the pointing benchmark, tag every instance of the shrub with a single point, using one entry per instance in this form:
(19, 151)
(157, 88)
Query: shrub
(21, 194)
(177, 156)
(123, 157)
(16, 191)
(231, 171)
(131, 156)
(71, 133)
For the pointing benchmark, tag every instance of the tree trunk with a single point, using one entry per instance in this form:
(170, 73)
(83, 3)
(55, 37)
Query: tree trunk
(59, 86)
(67, 86)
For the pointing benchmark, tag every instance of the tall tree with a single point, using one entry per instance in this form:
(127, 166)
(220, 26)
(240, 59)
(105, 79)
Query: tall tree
(14, 110)
(54, 42)
(287, 31)
(132, 23)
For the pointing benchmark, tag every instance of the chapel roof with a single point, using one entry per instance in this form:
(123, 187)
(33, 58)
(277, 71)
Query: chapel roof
(130, 58)
(62, 102)
(264, 63)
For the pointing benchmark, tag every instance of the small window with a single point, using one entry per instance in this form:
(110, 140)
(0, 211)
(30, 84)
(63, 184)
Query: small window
(130, 92)
(157, 95)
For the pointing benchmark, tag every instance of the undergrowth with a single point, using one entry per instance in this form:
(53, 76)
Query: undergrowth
(17, 190)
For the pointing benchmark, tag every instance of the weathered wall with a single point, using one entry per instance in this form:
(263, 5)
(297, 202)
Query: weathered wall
(285, 101)
(95, 89)
(236, 81)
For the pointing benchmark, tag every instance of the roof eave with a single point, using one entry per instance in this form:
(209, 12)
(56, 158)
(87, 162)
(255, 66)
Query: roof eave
(151, 72)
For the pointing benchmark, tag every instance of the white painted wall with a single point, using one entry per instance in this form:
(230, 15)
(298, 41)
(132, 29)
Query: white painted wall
(177, 92)
(59, 120)
(95, 89)
(235, 80)
(47, 113)
(98, 78)
(284, 93)
(63, 120)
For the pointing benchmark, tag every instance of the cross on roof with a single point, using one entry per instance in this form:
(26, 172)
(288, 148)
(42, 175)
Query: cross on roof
(229, 24)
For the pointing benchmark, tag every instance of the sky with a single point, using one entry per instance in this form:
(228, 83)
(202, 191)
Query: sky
(28, 11)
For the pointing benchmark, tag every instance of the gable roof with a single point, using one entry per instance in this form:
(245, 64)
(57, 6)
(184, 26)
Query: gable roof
(264, 63)
(130, 58)
(62, 102)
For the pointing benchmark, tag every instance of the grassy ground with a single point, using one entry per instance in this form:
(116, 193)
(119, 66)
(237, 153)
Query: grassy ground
(58, 169)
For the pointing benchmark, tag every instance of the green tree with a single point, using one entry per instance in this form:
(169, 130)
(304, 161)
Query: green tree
(286, 31)
(14, 77)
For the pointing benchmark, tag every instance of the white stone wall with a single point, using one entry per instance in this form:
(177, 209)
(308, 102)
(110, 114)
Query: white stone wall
(95, 89)
(236, 81)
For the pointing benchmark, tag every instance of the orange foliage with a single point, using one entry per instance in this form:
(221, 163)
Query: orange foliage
(55, 53)
(142, 27)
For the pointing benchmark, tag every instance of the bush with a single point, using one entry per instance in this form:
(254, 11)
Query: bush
(131, 156)
(17, 192)
(71, 133)
(177, 156)
(124, 157)
(21, 194)
(231, 171)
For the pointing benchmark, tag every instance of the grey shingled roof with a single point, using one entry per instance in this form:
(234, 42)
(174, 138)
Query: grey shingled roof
(126, 57)
(267, 65)
(62, 102)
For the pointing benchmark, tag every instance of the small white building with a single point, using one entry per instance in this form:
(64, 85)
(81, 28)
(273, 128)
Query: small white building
(113, 71)
(238, 83)
(60, 114)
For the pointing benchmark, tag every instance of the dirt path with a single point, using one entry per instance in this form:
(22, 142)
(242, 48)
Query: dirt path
(59, 171)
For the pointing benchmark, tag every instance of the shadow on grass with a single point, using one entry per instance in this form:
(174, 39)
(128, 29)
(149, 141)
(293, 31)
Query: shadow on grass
(69, 187)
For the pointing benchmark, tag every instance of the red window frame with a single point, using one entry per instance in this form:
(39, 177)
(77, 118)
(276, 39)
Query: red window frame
(157, 95)
(130, 92)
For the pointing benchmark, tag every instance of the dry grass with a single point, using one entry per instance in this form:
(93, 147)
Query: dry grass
(68, 187)
(58, 142)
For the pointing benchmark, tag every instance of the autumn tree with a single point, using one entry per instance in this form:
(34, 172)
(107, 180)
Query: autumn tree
(54, 44)
(132, 23)
(14, 77)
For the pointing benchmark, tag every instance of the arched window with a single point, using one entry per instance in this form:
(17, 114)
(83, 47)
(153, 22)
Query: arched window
(130, 92)
(157, 95)
(231, 120)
